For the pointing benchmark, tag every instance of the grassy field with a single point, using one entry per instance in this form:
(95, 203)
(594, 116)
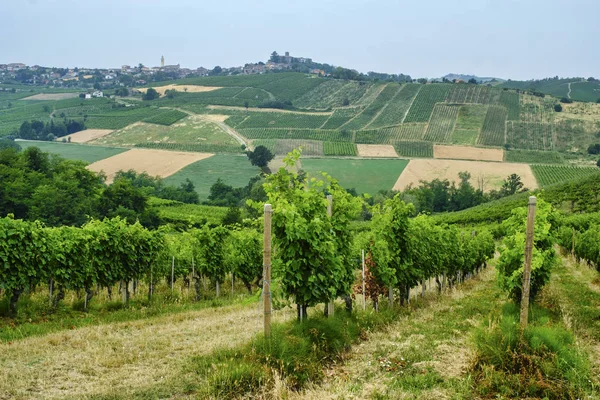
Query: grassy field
(71, 151)
(366, 176)
(233, 170)
(191, 130)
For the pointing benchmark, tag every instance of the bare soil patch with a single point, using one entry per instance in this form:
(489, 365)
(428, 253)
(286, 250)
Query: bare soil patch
(161, 163)
(215, 117)
(487, 174)
(467, 153)
(376, 150)
(182, 88)
(52, 96)
(87, 135)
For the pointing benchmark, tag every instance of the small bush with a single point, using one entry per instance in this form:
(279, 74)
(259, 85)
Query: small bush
(557, 108)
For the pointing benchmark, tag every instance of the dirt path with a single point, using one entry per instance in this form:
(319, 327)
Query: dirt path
(120, 358)
(569, 93)
(424, 355)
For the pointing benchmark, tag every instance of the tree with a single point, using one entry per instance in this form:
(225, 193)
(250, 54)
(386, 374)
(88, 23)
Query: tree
(598, 163)
(97, 86)
(557, 108)
(122, 92)
(473, 81)
(594, 148)
(274, 57)
(566, 100)
(261, 156)
(216, 70)
(246, 104)
(511, 185)
(150, 94)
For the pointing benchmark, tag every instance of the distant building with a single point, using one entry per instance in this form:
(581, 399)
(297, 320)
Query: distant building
(15, 66)
(97, 93)
(162, 61)
(88, 96)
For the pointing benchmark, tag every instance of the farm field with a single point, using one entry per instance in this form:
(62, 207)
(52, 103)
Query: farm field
(467, 153)
(154, 162)
(492, 173)
(551, 174)
(87, 135)
(376, 150)
(441, 125)
(366, 176)
(181, 88)
(89, 154)
(52, 96)
(468, 124)
(231, 169)
(195, 131)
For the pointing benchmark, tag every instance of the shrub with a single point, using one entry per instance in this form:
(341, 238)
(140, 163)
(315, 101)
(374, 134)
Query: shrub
(557, 108)
(566, 100)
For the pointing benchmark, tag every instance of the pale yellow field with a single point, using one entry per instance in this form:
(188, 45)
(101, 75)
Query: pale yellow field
(467, 153)
(376, 150)
(87, 135)
(182, 88)
(52, 96)
(161, 163)
(484, 175)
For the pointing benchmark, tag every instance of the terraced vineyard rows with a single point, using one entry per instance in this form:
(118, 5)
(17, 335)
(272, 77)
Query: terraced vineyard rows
(426, 99)
(442, 123)
(529, 135)
(397, 108)
(309, 147)
(550, 174)
(282, 120)
(364, 118)
(332, 93)
(510, 100)
(340, 116)
(166, 118)
(475, 94)
(411, 132)
(494, 127)
(339, 149)
(193, 147)
(414, 149)
(120, 119)
(327, 135)
(533, 156)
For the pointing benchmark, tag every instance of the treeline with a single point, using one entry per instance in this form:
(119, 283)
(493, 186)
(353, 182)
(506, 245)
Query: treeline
(38, 186)
(38, 130)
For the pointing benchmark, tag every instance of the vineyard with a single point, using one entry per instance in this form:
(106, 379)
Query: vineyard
(340, 116)
(424, 103)
(395, 111)
(391, 135)
(332, 93)
(529, 135)
(339, 149)
(442, 123)
(534, 157)
(374, 108)
(414, 149)
(193, 147)
(551, 174)
(493, 132)
(283, 120)
(166, 118)
(309, 134)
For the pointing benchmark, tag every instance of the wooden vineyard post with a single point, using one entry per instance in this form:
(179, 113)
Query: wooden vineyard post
(527, 266)
(363, 282)
(172, 273)
(267, 270)
(330, 306)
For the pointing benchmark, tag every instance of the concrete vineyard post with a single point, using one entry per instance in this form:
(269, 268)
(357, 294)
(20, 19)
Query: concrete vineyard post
(330, 306)
(363, 281)
(527, 266)
(268, 210)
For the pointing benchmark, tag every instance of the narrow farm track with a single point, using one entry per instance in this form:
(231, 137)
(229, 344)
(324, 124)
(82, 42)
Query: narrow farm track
(120, 358)
(569, 93)
(424, 355)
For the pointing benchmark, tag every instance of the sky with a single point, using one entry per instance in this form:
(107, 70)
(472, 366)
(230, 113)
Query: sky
(523, 39)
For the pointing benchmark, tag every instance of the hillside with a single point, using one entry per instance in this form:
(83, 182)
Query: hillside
(579, 89)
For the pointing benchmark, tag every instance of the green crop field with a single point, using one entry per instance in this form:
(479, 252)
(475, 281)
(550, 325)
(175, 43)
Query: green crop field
(532, 156)
(529, 135)
(340, 116)
(310, 134)
(72, 151)
(494, 127)
(442, 123)
(414, 149)
(339, 149)
(372, 110)
(391, 135)
(468, 124)
(422, 106)
(166, 118)
(332, 93)
(396, 109)
(551, 174)
(232, 169)
(283, 120)
(510, 100)
(366, 176)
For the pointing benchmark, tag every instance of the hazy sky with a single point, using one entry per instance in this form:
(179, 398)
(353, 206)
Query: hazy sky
(424, 38)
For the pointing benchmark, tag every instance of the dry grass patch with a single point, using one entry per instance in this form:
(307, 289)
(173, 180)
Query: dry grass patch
(489, 173)
(467, 153)
(87, 135)
(52, 96)
(120, 358)
(181, 88)
(161, 163)
(376, 150)
(215, 117)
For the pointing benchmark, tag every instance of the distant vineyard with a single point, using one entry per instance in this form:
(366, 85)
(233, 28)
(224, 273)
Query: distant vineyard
(282, 120)
(442, 123)
(340, 116)
(194, 147)
(332, 93)
(309, 147)
(550, 174)
(414, 149)
(532, 156)
(310, 134)
(391, 135)
(397, 108)
(422, 106)
(529, 135)
(476, 94)
(510, 100)
(339, 149)
(120, 119)
(494, 127)
(268, 143)
(364, 118)
(166, 118)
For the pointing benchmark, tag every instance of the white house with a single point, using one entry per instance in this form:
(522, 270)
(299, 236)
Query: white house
(97, 93)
